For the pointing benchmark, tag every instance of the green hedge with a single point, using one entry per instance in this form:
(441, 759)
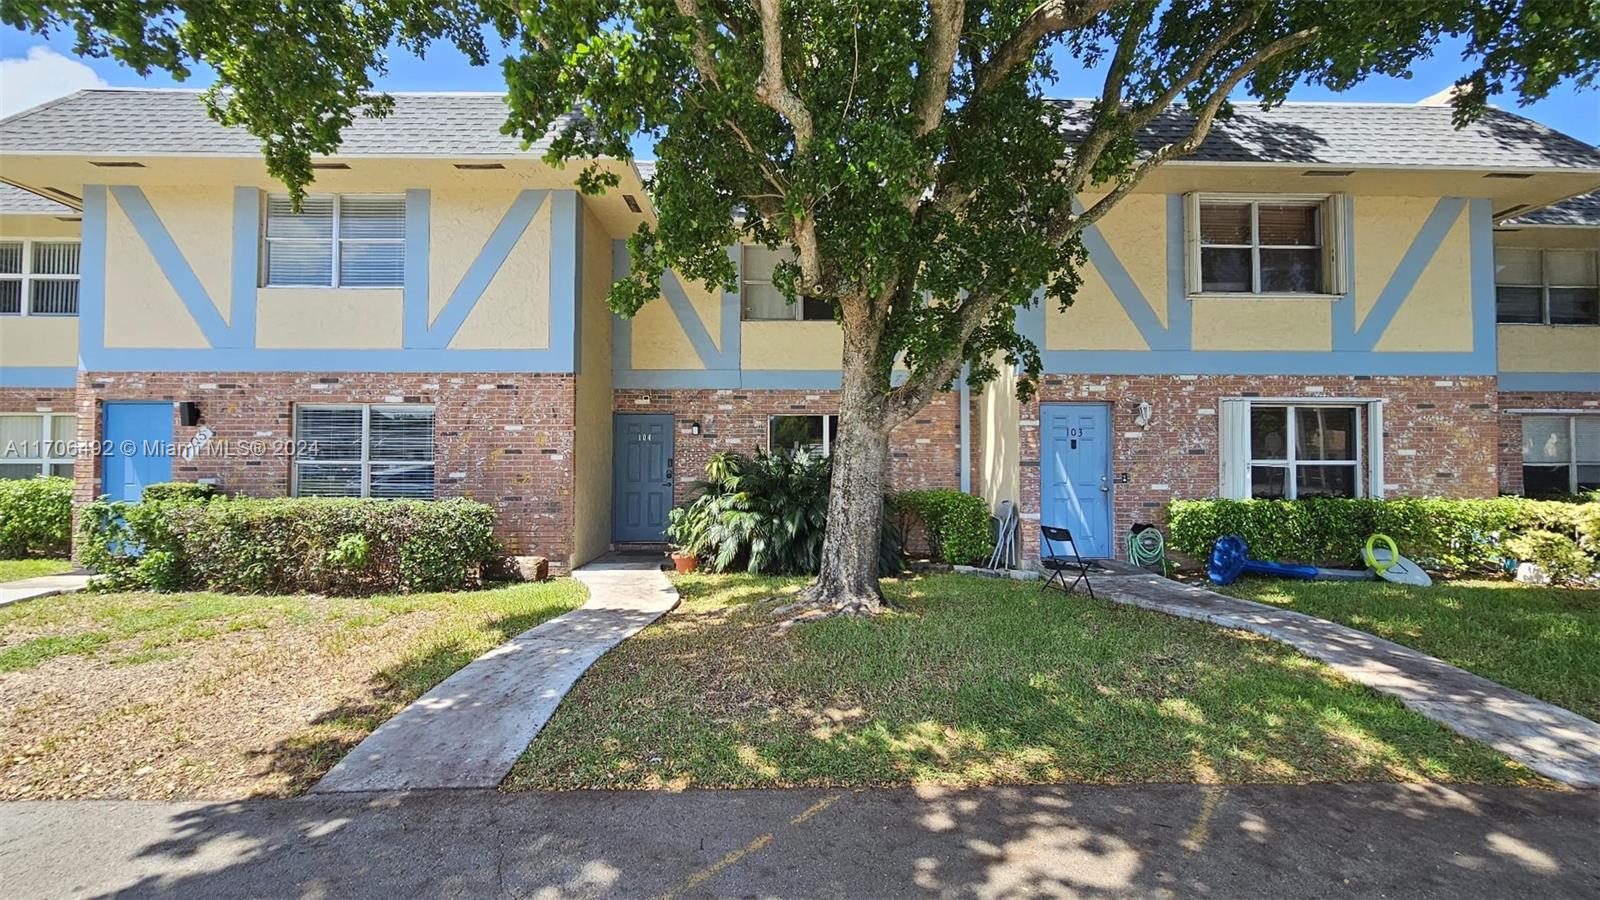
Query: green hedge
(957, 524)
(1451, 536)
(35, 517)
(343, 547)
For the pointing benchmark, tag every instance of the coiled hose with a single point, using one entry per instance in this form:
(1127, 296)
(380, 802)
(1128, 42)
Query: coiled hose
(1148, 548)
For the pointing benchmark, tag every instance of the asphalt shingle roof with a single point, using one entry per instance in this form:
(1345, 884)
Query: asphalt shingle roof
(113, 121)
(15, 200)
(1367, 135)
(1580, 210)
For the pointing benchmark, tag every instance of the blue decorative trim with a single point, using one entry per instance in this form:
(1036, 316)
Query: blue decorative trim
(1575, 382)
(689, 320)
(734, 379)
(621, 329)
(566, 277)
(38, 376)
(732, 320)
(1180, 312)
(92, 275)
(1416, 259)
(1480, 224)
(1247, 362)
(964, 397)
(172, 263)
(485, 266)
(419, 247)
(246, 259)
(1030, 321)
(1123, 288)
(414, 359)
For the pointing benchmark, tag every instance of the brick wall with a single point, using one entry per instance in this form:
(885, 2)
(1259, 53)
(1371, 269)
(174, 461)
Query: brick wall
(503, 439)
(924, 453)
(1510, 444)
(1434, 435)
(27, 400)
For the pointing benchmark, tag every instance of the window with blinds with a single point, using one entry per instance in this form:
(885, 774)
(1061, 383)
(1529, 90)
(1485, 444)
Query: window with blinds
(1269, 245)
(1546, 287)
(345, 240)
(39, 278)
(364, 451)
(1560, 455)
(760, 300)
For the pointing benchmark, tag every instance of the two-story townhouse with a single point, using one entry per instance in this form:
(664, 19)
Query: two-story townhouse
(1547, 290)
(1306, 307)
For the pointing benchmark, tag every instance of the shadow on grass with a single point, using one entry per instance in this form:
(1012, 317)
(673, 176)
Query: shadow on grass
(973, 683)
(331, 734)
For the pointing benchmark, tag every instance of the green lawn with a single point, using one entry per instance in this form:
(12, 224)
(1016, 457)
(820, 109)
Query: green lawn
(1541, 640)
(971, 681)
(17, 569)
(219, 696)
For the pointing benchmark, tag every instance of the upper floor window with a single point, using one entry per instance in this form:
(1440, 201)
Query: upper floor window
(364, 450)
(37, 444)
(344, 240)
(1263, 245)
(39, 278)
(1560, 454)
(1547, 287)
(760, 299)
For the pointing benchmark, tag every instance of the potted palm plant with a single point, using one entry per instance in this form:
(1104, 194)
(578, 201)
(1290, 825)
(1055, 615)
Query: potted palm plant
(687, 532)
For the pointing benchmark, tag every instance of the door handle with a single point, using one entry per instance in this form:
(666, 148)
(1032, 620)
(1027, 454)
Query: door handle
(1104, 488)
(670, 468)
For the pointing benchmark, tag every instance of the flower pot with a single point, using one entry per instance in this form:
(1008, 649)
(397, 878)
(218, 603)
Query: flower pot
(684, 562)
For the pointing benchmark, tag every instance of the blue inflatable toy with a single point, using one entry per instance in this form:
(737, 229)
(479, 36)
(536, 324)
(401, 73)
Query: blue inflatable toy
(1230, 558)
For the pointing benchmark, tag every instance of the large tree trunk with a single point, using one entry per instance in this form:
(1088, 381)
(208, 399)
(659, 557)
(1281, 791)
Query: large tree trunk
(848, 580)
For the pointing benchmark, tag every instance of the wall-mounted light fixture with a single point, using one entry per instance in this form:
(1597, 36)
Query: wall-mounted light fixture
(694, 427)
(188, 414)
(1146, 413)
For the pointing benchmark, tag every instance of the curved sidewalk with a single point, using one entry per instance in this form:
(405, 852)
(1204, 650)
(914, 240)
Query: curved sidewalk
(1555, 742)
(470, 729)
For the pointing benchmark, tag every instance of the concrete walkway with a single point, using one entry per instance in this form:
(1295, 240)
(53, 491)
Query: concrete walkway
(1555, 742)
(469, 730)
(43, 586)
(1264, 841)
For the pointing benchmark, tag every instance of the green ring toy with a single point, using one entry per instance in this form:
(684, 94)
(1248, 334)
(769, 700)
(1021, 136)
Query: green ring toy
(1371, 558)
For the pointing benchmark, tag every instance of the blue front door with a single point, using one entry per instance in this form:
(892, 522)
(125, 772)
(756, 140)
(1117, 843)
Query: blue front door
(642, 486)
(1075, 473)
(138, 448)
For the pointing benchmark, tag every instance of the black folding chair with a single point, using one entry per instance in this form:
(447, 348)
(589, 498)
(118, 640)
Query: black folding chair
(1060, 565)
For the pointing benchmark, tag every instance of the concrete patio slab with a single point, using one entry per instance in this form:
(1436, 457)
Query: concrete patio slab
(1555, 742)
(43, 586)
(469, 730)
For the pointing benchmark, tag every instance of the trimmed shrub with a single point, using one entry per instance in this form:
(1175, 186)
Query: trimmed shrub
(179, 490)
(1450, 536)
(767, 514)
(957, 524)
(35, 517)
(344, 547)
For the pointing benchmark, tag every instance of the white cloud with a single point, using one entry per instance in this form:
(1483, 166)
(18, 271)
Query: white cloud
(42, 76)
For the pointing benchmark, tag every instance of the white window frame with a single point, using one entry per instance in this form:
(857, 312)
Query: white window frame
(26, 277)
(1572, 445)
(1331, 227)
(1544, 286)
(1235, 456)
(827, 427)
(265, 250)
(797, 308)
(45, 443)
(365, 461)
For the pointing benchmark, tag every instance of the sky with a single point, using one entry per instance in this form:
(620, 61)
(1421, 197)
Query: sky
(36, 69)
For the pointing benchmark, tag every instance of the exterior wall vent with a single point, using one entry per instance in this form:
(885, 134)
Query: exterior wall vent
(479, 167)
(1518, 176)
(116, 164)
(633, 203)
(1328, 173)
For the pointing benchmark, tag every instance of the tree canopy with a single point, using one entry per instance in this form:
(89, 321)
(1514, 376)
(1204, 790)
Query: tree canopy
(904, 151)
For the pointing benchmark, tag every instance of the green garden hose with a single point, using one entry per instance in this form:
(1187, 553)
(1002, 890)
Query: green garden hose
(1147, 548)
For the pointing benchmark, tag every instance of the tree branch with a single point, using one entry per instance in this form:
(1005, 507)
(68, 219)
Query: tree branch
(938, 61)
(1049, 17)
(772, 89)
(1190, 142)
(701, 50)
